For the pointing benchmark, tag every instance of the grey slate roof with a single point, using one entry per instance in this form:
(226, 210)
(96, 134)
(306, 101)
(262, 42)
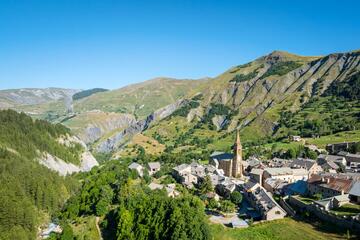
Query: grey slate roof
(257, 171)
(330, 157)
(154, 165)
(181, 167)
(220, 156)
(134, 165)
(279, 171)
(355, 189)
(248, 185)
(302, 163)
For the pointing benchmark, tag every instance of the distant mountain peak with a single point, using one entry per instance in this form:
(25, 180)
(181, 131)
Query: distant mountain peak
(284, 56)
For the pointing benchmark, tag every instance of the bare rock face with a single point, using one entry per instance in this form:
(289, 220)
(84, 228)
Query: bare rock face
(99, 123)
(219, 121)
(58, 165)
(54, 163)
(87, 160)
(119, 139)
(195, 113)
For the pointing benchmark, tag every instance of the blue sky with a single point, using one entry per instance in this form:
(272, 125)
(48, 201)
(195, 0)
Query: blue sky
(109, 43)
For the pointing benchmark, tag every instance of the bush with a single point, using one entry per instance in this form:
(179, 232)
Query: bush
(236, 197)
(227, 206)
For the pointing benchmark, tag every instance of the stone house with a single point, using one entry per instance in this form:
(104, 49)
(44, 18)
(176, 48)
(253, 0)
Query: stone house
(138, 168)
(225, 188)
(274, 185)
(328, 186)
(170, 189)
(263, 202)
(310, 165)
(352, 159)
(333, 202)
(153, 167)
(256, 175)
(323, 158)
(182, 174)
(251, 163)
(286, 174)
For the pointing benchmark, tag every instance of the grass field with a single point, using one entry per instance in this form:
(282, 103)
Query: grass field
(284, 229)
(347, 210)
(348, 136)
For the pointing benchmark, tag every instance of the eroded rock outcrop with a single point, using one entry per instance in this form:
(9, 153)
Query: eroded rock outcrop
(116, 141)
(87, 160)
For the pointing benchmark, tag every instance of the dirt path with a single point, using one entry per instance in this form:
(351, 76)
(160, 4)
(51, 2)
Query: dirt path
(98, 228)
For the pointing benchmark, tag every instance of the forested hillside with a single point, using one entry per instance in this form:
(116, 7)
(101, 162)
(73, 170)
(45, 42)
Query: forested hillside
(130, 210)
(29, 191)
(23, 135)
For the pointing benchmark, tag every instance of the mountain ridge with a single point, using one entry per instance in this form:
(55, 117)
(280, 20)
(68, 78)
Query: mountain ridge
(250, 97)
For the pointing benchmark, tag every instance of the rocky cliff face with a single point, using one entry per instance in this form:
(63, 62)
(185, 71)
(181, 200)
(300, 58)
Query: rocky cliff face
(251, 97)
(93, 125)
(271, 84)
(87, 163)
(87, 160)
(117, 140)
(254, 93)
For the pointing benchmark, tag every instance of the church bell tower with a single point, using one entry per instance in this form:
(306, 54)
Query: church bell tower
(237, 168)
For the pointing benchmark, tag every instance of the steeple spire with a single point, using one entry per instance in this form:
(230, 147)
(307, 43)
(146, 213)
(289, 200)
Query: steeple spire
(237, 142)
(237, 168)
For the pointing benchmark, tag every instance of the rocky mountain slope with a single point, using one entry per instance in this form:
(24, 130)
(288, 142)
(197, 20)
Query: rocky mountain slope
(32, 96)
(185, 113)
(251, 97)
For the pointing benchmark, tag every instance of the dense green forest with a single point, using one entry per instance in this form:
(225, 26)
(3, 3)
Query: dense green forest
(29, 191)
(25, 136)
(131, 210)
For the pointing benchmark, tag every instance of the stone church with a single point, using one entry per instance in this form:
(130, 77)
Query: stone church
(231, 164)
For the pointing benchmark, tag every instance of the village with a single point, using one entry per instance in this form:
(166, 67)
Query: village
(239, 192)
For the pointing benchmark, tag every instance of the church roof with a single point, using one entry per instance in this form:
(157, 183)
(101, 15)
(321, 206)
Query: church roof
(221, 156)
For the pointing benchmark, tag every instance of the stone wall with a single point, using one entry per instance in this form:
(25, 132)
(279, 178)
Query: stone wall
(348, 222)
(290, 211)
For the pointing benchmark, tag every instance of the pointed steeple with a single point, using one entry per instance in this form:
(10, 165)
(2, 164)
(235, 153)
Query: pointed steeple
(237, 168)
(237, 142)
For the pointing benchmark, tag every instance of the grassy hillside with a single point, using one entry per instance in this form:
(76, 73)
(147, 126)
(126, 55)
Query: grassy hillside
(278, 230)
(270, 98)
(29, 191)
(139, 99)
